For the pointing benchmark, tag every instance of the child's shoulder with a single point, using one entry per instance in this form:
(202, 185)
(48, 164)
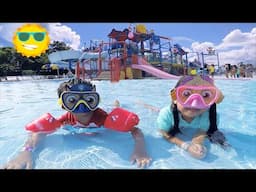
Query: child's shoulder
(100, 112)
(165, 110)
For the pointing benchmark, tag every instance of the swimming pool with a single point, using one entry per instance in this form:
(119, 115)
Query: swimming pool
(23, 101)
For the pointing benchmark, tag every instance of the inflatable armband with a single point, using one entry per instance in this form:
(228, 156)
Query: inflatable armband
(121, 120)
(45, 123)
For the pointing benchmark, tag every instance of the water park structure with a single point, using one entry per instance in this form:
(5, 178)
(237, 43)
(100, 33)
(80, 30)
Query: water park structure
(132, 53)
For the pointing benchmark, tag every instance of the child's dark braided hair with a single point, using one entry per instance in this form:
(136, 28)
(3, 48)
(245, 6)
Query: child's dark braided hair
(212, 117)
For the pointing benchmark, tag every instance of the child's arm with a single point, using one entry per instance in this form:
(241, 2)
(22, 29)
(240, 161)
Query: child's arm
(116, 103)
(125, 121)
(151, 107)
(199, 138)
(24, 159)
(39, 128)
(172, 139)
(139, 154)
(194, 148)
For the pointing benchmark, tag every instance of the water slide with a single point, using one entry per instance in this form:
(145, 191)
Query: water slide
(93, 55)
(64, 55)
(65, 58)
(145, 66)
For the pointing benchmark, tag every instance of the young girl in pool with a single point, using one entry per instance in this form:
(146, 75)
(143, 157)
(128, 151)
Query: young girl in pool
(192, 113)
(80, 99)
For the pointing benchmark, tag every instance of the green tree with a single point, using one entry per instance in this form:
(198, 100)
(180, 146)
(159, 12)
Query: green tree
(6, 55)
(11, 60)
(7, 60)
(57, 46)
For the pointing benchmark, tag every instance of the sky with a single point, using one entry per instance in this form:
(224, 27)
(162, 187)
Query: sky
(234, 42)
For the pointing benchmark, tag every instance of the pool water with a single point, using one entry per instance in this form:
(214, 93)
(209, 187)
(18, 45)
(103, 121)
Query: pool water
(24, 101)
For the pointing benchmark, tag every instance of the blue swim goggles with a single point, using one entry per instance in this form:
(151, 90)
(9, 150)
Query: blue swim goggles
(72, 99)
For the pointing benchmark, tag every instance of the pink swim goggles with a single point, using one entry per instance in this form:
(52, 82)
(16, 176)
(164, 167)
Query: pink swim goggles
(196, 97)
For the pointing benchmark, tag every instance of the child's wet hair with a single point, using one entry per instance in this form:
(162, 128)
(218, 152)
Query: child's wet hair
(184, 79)
(65, 86)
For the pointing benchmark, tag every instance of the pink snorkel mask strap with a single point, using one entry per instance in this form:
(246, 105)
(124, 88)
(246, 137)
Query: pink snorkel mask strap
(190, 78)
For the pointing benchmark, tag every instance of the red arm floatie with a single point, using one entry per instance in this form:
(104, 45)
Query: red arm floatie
(121, 120)
(45, 123)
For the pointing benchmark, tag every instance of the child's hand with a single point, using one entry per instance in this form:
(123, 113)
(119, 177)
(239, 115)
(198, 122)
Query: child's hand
(116, 103)
(139, 154)
(22, 161)
(142, 161)
(197, 150)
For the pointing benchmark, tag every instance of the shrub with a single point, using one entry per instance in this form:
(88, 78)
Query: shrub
(28, 72)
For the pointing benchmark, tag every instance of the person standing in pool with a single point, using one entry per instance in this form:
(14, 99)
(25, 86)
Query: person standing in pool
(192, 115)
(80, 99)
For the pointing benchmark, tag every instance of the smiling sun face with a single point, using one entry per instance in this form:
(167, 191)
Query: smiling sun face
(31, 40)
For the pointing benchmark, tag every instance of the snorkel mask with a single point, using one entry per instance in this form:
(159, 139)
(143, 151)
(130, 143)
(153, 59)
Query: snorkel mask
(196, 92)
(80, 99)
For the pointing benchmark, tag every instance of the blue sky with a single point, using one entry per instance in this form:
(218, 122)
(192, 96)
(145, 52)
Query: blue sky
(235, 42)
(212, 32)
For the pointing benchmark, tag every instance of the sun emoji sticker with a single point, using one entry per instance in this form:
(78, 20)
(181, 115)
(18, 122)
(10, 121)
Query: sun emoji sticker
(31, 40)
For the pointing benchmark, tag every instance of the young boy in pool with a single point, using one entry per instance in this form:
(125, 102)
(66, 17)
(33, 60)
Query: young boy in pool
(192, 113)
(80, 99)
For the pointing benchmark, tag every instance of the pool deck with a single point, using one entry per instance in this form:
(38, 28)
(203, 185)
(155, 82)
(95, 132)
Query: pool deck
(29, 78)
(101, 77)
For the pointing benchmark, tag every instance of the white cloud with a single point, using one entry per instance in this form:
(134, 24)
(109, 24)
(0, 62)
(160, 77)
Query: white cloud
(238, 55)
(254, 31)
(237, 46)
(59, 32)
(201, 47)
(186, 49)
(238, 39)
(7, 30)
